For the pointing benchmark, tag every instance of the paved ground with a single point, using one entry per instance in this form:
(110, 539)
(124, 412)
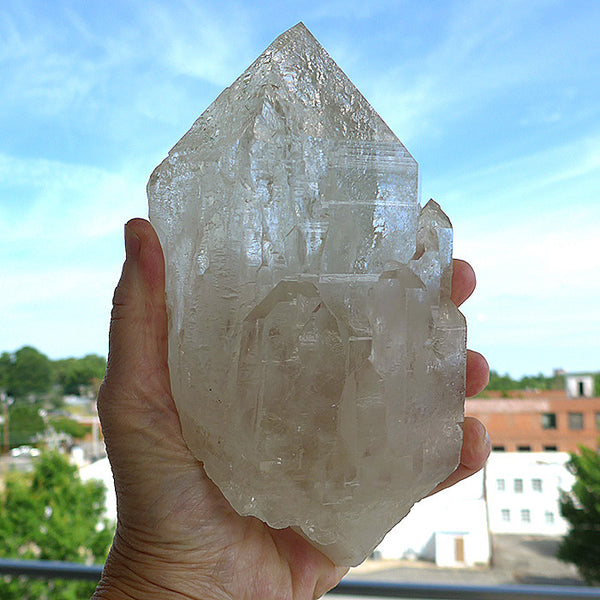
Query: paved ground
(516, 560)
(531, 559)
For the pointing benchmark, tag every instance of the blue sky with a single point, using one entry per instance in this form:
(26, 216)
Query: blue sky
(499, 102)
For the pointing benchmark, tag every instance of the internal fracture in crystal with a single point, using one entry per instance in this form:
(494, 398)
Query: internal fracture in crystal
(317, 362)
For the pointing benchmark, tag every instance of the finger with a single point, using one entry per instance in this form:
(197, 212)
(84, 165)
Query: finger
(478, 373)
(138, 329)
(463, 281)
(474, 454)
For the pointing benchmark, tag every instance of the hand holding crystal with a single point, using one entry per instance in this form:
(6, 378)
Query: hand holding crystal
(177, 536)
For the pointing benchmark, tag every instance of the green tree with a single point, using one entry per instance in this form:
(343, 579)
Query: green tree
(24, 423)
(5, 368)
(501, 382)
(537, 382)
(74, 373)
(51, 515)
(70, 426)
(581, 508)
(505, 383)
(30, 372)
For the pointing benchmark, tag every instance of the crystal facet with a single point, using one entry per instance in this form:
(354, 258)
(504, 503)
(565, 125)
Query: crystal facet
(316, 359)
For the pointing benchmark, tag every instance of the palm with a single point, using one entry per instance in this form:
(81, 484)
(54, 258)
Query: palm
(169, 511)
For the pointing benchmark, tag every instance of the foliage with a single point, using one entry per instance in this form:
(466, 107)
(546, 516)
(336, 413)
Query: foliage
(505, 383)
(51, 515)
(581, 508)
(25, 423)
(27, 372)
(501, 382)
(70, 426)
(541, 382)
(5, 366)
(74, 373)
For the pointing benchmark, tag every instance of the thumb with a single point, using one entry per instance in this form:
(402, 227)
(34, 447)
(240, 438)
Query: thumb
(138, 350)
(139, 421)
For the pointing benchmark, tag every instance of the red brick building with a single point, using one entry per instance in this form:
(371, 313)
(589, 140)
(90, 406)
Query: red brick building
(537, 421)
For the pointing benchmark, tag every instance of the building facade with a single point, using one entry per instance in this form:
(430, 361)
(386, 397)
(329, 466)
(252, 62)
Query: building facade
(449, 528)
(523, 492)
(541, 421)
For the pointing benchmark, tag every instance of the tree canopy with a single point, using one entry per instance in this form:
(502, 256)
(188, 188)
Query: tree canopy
(74, 373)
(581, 508)
(70, 426)
(5, 366)
(25, 423)
(29, 372)
(540, 381)
(51, 515)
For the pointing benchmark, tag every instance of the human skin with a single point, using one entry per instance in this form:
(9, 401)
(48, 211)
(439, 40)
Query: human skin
(177, 537)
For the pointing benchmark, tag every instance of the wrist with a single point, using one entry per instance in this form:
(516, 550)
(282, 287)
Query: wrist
(133, 574)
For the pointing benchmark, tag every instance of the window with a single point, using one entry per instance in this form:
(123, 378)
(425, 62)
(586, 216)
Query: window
(598, 420)
(498, 448)
(550, 448)
(505, 513)
(523, 448)
(500, 485)
(580, 388)
(526, 515)
(549, 517)
(536, 485)
(518, 486)
(575, 420)
(548, 420)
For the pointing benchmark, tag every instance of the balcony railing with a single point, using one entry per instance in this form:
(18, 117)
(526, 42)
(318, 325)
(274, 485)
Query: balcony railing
(366, 589)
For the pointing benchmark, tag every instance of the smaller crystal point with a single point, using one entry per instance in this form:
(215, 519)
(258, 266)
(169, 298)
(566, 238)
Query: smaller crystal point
(317, 362)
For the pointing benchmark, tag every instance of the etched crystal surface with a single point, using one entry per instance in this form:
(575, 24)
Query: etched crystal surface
(316, 359)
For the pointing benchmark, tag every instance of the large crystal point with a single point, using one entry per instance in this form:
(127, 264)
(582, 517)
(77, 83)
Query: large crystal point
(316, 359)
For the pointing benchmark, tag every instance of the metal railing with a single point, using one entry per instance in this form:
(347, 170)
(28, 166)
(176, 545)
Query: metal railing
(64, 570)
(50, 569)
(461, 592)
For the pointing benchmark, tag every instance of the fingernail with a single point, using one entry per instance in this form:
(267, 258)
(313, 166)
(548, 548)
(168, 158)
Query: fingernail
(132, 244)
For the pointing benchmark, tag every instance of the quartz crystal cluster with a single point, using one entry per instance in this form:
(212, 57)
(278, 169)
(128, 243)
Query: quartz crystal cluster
(316, 359)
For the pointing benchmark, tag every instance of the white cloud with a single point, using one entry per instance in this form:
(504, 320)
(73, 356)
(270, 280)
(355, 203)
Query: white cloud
(197, 40)
(65, 202)
(61, 251)
(39, 69)
(558, 179)
(486, 51)
(335, 9)
(528, 225)
(537, 281)
(53, 62)
(525, 218)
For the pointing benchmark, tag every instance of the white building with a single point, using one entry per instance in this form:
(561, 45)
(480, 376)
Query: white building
(579, 385)
(523, 492)
(101, 471)
(449, 528)
(520, 496)
(517, 493)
